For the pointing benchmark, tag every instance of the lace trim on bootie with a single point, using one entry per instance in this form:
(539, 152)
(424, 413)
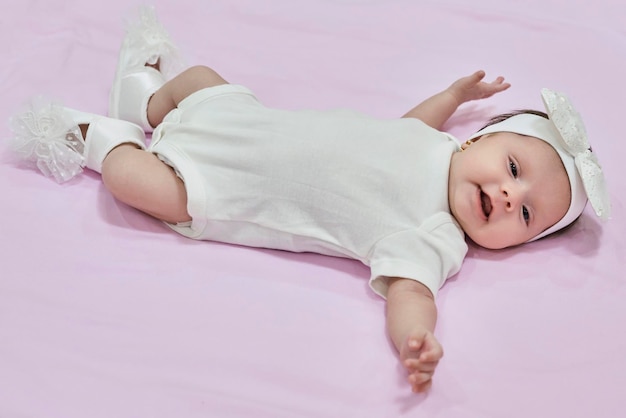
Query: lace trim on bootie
(149, 41)
(47, 137)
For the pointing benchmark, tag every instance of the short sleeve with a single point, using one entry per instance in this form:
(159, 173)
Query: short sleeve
(429, 254)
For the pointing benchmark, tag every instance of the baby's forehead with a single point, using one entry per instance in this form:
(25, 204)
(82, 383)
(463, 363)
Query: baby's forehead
(526, 142)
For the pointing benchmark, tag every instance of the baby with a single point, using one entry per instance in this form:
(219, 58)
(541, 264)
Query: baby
(398, 195)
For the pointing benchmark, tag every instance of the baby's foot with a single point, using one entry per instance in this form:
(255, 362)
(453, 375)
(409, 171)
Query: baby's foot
(156, 65)
(147, 55)
(61, 141)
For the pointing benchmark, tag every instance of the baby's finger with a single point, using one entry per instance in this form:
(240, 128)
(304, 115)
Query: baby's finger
(430, 356)
(414, 365)
(433, 351)
(500, 85)
(495, 88)
(415, 344)
(478, 75)
(411, 364)
(422, 387)
(418, 379)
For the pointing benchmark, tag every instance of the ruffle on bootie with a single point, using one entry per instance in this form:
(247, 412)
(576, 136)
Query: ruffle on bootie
(46, 136)
(147, 41)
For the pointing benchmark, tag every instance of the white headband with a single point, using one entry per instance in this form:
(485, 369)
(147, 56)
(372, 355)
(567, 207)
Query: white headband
(565, 132)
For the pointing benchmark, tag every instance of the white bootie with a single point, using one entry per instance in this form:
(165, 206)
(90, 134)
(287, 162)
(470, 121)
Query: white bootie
(48, 135)
(146, 42)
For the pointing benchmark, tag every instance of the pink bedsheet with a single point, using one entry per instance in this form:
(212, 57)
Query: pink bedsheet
(105, 312)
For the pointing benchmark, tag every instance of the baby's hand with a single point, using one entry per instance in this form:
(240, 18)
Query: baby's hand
(420, 355)
(473, 88)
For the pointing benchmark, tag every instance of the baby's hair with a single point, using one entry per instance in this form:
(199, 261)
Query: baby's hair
(505, 116)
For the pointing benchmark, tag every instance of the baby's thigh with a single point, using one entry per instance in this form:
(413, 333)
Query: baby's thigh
(139, 179)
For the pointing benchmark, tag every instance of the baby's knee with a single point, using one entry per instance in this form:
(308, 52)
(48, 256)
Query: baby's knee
(193, 79)
(204, 76)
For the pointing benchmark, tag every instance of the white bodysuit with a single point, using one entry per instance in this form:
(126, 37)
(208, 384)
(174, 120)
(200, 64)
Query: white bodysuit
(338, 183)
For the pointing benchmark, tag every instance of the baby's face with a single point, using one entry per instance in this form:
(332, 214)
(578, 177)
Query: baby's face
(506, 188)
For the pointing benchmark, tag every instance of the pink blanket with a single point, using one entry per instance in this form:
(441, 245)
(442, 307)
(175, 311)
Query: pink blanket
(105, 312)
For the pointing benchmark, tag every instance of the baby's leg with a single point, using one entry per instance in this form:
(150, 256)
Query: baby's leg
(174, 91)
(62, 141)
(139, 179)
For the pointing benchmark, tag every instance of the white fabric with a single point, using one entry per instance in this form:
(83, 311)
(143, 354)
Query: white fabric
(47, 136)
(332, 182)
(104, 134)
(572, 143)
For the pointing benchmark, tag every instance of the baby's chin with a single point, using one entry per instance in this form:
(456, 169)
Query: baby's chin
(485, 239)
(489, 243)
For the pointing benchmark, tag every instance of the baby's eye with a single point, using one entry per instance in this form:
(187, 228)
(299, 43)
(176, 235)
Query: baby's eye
(513, 168)
(525, 214)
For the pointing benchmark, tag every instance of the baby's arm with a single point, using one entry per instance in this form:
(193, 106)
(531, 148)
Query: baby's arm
(411, 318)
(436, 110)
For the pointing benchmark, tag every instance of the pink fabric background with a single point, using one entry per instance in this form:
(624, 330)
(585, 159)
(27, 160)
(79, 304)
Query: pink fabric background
(105, 312)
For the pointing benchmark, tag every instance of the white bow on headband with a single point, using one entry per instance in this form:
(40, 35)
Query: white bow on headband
(572, 131)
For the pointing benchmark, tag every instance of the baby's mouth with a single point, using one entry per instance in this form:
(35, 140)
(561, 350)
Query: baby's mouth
(485, 203)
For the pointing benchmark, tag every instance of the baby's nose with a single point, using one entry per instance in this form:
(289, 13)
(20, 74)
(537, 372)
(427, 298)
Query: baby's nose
(511, 198)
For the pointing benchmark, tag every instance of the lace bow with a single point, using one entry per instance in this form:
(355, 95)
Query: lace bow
(150, 42)
(45, 136)
(570, 125)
